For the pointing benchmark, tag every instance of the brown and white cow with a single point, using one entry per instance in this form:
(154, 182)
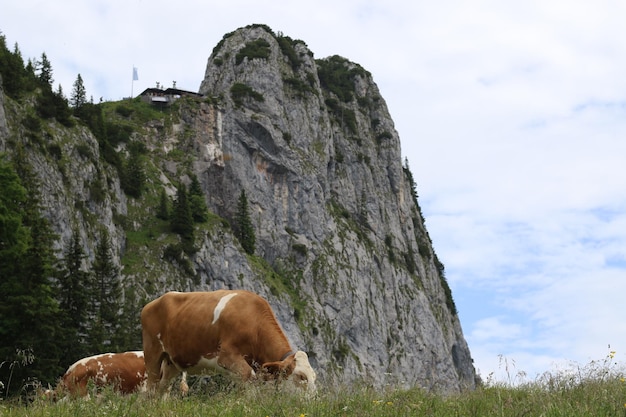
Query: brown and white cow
(227, 330)
(125, 372)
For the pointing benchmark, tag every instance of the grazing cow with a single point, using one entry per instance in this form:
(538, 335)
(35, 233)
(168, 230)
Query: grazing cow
(234, 331)
(126, 372)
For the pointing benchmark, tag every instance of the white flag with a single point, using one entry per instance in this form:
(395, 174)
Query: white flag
(135, 76)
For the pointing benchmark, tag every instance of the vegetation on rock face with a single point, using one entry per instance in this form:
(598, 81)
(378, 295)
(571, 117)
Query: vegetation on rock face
(287, 46)
(239, 92)
(182, 219)
(337, 75)
(132, 173)
(199, 211)
(75, 285)
(243, 224)
(106, 333)
(29, 312)
(259, 48)
(424, 248)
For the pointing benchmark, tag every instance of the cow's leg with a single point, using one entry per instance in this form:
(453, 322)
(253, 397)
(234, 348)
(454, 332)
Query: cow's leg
(184, 387)
(169, 371)
(152, 355)
(153, 369)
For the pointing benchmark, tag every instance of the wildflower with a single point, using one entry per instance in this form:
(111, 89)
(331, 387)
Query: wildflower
(622, 379)
(389, 402)
(377, 402)
(612, 354)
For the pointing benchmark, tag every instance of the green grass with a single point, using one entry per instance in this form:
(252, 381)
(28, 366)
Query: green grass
(594, 398)
(596, 389)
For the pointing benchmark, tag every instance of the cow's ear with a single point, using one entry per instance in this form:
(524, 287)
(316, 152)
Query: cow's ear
(273, 370)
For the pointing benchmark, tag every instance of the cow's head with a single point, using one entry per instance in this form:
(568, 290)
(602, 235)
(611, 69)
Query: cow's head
(295, 368)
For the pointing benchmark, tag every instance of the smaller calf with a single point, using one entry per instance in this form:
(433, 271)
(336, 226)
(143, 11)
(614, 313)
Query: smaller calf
(125, 372)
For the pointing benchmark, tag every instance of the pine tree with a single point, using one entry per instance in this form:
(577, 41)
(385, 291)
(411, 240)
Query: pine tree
(244, 229)
(13, 234)
(62, 112)
(362, 216)
(92, 115)
(199, 210)
(107, 294)
(45, 71)
(12, 69)
(182, 220)
(163, 211)
(79, 94)
(29, 312)
(128, 337)
(74, 289)
(134, 176)
(194, 187)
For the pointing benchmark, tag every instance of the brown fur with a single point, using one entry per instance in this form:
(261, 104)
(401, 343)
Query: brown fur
(125, 372)
(178, 333)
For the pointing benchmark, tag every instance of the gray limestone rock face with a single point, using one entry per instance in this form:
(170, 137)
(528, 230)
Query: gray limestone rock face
(341, 253)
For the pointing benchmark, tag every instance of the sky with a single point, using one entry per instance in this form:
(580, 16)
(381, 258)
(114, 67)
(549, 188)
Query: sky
(512, 115)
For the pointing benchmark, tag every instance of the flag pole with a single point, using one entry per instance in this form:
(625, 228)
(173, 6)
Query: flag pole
(132, 84)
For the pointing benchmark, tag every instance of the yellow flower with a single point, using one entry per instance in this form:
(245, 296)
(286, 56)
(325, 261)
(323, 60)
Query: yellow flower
(389, 403)
(612, 354)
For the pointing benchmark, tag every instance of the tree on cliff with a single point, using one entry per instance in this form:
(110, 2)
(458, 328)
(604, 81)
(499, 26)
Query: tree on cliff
(163, 210)
(182, 219)
(74, 289)
(45, 71)
(243, 225)
(197, 204)
(133, 175)
(13, 233)
(106, 297)
(14, 76)
(79, 94)
(29, 312)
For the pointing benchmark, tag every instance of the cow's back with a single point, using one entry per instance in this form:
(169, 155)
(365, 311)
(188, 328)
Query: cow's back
(169, 320)
(125, 372)
(215, 319)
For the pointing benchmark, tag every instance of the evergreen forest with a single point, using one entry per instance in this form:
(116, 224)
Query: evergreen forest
(56, 307)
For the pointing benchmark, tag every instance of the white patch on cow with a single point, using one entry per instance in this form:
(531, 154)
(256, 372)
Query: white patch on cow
(221, 305)
(204, 365)
(138, 353)
(85, 360)
(161, 342)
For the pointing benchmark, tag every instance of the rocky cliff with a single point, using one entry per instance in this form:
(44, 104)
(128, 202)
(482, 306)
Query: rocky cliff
(341, 253)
